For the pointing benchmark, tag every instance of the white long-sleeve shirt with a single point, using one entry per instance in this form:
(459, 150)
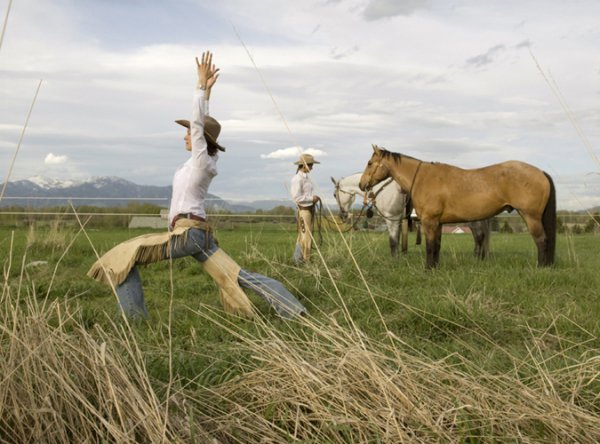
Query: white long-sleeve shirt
(301, 189)
(192, 179)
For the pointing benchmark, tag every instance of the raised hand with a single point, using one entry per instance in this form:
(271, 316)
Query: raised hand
(207, 71)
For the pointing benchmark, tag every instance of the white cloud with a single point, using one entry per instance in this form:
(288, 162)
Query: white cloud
(52, 159)
(293, 152)
(344, 74)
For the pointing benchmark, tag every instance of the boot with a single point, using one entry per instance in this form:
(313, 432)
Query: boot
(225, 271)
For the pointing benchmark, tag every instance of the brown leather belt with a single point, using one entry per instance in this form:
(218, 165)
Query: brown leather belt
(187, 216)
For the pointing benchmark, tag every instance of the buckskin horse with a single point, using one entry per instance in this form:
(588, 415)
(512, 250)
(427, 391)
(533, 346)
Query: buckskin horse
(443, 193)
(390, 202)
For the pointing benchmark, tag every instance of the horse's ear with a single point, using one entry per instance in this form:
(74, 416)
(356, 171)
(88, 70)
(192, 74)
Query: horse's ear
(334, 181)
(376, 148)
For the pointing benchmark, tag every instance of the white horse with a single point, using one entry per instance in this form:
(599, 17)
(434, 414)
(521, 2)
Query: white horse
(390, 202)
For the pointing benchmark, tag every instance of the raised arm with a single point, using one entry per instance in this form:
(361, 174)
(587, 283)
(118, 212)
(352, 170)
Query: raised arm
(207, 76)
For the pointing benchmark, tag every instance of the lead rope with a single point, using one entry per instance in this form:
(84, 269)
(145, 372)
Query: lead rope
(415, 177)
(354, 223)
(318, 214)
(373, 201)
(409, 206)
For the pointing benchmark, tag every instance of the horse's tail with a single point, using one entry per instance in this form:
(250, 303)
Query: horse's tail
(549, 222)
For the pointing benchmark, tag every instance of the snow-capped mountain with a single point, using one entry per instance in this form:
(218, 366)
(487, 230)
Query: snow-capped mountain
(47, 183)
(39, 191)
(108, 191)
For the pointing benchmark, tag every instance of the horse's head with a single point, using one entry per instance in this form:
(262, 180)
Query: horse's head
(376, 170)
(344, 198)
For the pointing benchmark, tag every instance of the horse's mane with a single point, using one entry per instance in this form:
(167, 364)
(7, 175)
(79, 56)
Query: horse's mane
(396, 157)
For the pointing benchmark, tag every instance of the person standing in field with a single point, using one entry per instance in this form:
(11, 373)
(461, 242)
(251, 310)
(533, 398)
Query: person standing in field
(190, 234)
(302, 192)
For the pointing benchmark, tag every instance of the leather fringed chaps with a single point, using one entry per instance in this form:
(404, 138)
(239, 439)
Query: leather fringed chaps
(224, 270)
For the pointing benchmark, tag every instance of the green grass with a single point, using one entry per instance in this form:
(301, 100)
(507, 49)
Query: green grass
(503, 316)
(461, 306)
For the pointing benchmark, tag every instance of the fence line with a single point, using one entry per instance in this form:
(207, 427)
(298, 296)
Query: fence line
(128, 198)
(87, 198)
(215, 215)
(263, 214)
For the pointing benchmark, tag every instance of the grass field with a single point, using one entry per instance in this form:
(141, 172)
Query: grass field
(494, 351)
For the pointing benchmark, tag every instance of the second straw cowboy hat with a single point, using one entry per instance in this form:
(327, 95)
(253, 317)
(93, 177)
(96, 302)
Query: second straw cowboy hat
(212, 129)
(307, 159)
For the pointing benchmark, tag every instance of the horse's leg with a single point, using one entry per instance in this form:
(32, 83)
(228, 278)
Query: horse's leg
(438, 244)
(433, 234)
(479, 238)
(486, 228)
(404, 236)
(394, 235)
(536, 229)
(418, 228)
(476, 239)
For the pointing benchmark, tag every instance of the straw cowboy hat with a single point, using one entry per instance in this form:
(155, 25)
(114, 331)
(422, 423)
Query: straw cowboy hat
(306, 159)
(212, 129)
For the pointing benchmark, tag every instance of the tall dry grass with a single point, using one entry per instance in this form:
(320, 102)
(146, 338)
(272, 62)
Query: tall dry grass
(60, 382)
(53, 238)
(336, 385)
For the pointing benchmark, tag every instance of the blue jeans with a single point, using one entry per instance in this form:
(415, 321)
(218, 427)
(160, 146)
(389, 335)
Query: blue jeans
(201, 245)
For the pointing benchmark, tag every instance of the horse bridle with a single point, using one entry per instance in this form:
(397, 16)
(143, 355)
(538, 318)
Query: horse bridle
(373, 170)
(337, 198)
(351, 193)
(412, 184)
(409, 194)
(339, 190)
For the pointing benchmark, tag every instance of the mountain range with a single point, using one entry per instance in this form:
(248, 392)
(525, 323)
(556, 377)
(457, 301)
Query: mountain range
(105, 191)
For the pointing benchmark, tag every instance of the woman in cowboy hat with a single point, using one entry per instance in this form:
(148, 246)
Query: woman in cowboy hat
(190, 234)
(302, 193)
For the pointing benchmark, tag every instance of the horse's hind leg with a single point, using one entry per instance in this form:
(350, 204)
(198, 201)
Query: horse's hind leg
(536, 229)
(486, 228)
(478, 240)
(481, 237)
(438, 243)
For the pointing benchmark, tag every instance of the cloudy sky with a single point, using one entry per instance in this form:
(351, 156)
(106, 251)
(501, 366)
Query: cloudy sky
(465, 82)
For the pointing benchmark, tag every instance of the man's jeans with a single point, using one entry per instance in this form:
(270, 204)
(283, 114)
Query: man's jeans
(201, 245)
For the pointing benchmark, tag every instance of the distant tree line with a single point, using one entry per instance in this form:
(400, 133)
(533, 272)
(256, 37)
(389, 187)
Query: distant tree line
(280, 213)
(565, 223)
(592, 225)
